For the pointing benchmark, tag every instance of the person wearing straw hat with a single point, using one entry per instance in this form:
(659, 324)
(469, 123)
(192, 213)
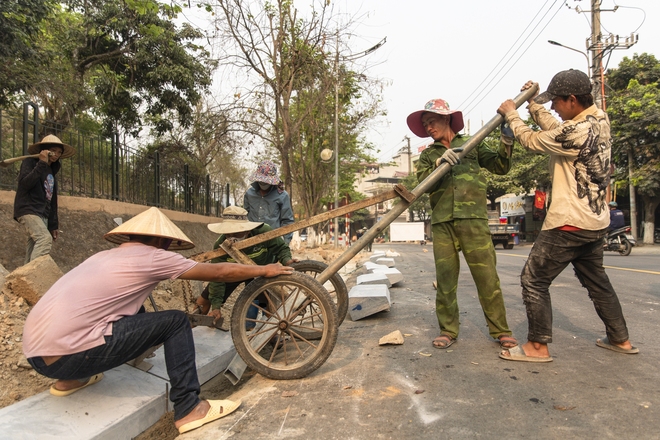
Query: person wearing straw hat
(266, 200)
(459, 219)
(88, 321)
(235, 225)
(35, 204)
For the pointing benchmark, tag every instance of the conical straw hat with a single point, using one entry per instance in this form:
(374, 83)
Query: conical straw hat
(234, 219)
(154, 223)
(67, 150)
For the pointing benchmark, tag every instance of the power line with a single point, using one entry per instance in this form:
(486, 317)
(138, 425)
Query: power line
(516, 61)
(504, 56)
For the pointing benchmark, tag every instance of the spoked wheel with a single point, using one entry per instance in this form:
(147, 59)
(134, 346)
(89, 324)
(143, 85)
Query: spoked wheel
(295, 326)
(335, 285)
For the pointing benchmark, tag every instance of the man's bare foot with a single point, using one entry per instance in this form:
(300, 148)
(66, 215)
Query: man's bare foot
(66, 385)
(532, 349)
(199, 412)
(625, 345)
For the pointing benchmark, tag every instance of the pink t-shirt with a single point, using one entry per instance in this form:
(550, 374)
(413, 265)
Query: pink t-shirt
(79, 309)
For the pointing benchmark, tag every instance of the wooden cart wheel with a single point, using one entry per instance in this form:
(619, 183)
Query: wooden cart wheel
(295, 328)
(335, 285)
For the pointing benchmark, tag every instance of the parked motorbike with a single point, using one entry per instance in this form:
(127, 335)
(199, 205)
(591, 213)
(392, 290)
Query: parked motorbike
(620, 240)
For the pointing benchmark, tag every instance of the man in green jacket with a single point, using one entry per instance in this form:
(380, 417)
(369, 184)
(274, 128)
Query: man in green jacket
(459, 221)
(236, 225)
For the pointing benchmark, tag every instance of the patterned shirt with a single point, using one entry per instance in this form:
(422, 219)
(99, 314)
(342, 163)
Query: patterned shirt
(579, 152)
(461, 193)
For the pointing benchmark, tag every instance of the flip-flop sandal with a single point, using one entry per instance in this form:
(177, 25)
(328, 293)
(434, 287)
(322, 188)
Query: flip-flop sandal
(62, 393)
(448, 341)
(219, 409)
(605, 343)
(518, 354)
(507, 341)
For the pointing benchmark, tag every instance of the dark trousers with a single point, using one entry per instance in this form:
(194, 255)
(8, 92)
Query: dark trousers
(132, 336)
(553, 250)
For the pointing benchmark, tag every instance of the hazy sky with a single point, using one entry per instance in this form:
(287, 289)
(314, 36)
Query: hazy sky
(477, 53)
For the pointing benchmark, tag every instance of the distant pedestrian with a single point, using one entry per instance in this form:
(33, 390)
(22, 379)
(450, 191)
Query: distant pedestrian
(266, 200)
(35, 204)
(577, 219)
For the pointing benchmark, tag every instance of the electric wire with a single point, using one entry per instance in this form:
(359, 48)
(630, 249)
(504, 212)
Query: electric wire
(471, 106)
(503, 57)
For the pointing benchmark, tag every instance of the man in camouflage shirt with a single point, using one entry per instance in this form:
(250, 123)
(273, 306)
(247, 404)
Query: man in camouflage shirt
(459, 220)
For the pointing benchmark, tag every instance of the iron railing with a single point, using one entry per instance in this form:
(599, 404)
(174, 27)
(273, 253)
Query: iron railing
(104, 168)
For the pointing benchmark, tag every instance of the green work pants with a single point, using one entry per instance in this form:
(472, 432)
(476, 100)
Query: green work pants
(472, 236)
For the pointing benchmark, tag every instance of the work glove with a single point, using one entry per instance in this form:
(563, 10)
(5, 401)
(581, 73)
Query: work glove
(450, 156)
(507, 134)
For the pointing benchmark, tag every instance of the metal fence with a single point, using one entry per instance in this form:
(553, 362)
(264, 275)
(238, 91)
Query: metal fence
(103, 168)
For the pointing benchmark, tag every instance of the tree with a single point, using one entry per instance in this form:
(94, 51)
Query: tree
(528, 172)
(421, 207)
(634, 110)
(124, 61)
(293, 68)
(314, 180)
(20, 27)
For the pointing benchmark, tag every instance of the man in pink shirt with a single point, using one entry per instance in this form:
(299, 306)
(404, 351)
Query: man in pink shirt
(88, 321)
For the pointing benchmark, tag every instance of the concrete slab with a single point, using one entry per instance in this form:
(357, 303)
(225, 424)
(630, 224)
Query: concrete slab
(214, 350)
(376, 255)
(122, 405)
(372, 266)
(374, 278)
(125, 403)
(367, 299)
(394, 275)
(389, 262)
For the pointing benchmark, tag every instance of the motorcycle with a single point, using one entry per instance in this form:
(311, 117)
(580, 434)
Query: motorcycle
(620, 240)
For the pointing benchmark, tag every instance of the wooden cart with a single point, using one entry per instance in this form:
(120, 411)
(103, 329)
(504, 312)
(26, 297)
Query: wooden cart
(298, 315)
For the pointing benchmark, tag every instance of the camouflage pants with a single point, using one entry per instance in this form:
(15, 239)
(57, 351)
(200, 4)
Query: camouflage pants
(472, 236)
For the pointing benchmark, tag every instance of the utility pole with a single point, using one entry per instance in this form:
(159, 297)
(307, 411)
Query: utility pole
(406, 138)
(599, 46)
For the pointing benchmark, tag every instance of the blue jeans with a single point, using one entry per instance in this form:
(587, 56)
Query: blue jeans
(40, 240)
(132, 336)
(553, 250)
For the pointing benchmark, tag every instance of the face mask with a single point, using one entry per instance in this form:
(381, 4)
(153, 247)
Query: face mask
(264, 186)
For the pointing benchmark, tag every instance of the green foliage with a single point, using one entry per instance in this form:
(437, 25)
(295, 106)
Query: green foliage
(528, 170)
(20, 26)
(634, 110)
(124, 61)
(420, 209)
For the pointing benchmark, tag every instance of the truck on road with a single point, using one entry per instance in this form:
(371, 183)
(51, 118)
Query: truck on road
(502, 233)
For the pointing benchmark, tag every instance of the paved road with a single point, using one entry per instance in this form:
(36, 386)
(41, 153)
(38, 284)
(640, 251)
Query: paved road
(365, 391)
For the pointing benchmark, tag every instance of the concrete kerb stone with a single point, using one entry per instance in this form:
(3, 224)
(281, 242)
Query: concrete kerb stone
(394, 275)
(373, 278)
(366, 299)
(389, 262)
(373, 266)
(122, 405)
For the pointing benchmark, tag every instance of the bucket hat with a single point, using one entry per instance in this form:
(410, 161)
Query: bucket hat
(153, 223)
(266, 173)
(234, 219)
(441, 107)
(52, 140)
(566, 83)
